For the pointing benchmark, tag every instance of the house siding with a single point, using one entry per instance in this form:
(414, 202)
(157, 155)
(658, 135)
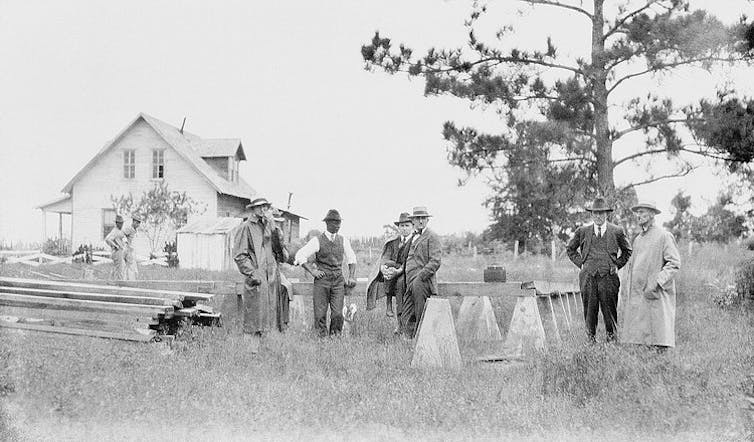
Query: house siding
(92, 191)
(231, 206)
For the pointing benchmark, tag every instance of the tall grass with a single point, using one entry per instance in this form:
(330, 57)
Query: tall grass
(361, 386)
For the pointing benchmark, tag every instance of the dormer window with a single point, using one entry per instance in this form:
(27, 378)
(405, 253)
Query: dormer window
(158, 163)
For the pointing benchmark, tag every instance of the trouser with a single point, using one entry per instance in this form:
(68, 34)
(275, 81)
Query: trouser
(328, 292)
(414, 299)
(399, 291)
(119, 265)
(600, 293)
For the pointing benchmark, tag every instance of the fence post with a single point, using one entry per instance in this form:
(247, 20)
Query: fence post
(691, 247)
(515, 250)
(554, 254)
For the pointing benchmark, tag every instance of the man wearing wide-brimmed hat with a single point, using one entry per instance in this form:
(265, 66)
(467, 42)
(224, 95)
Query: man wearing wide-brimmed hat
(422, 263)
(329, 250)
(599, 249)
(648, 297)
(390, 280)
(131, 269)
(264, 306)
(116, 240)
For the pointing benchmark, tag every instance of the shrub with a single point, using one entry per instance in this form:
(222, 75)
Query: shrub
(57, 247)
(744, 281)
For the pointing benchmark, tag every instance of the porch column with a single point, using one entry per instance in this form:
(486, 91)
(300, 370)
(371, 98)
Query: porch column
(44, 226)
(60, 226)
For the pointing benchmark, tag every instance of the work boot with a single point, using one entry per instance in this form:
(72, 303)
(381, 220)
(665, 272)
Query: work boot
(253, 340)
(389, 307)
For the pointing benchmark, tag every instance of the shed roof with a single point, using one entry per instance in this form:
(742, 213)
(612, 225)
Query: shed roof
(185, 144)
(210, 226)
(63, 204)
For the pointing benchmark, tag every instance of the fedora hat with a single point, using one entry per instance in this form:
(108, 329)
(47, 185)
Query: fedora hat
(403, 218)
(332, 215)
(420, 211)
(599, 205)
(258, 202)
(136, 217)
(118, 219)
(646, 205)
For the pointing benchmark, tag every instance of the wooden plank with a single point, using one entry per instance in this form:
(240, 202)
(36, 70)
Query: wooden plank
(90, 296)
(28, 301)
(444, 289)
(545, 288)
(98, 287)
(98, 319)
(138, 337)
(18, 252)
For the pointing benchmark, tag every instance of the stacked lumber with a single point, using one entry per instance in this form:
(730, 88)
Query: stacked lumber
(115, 312)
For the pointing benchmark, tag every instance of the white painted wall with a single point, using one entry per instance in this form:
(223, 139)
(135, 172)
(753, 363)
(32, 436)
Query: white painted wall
(91, 193)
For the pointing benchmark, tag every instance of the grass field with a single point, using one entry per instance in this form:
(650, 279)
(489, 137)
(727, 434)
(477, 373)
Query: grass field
(362, 387)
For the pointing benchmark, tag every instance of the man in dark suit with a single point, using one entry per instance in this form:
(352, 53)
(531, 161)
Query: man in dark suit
(599, 249)
(390, 280)
(422, 262)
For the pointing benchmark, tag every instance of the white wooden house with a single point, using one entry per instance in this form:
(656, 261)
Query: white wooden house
(146, 152)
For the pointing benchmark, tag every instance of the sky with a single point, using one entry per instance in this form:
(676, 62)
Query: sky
(285, 77)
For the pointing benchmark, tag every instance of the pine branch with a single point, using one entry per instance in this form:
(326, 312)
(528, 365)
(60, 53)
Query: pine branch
(650, 125)
(678, 174)
(560, 5)
(662, 67)
(637, 155)
(464, 67)
(629, 16)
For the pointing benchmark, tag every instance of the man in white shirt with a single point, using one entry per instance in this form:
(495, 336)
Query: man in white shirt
(329, 250)
(117, 240)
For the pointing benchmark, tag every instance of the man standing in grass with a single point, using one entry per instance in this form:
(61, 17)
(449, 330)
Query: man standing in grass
(329, 249)
(258, 262)
(116, 240)
(599, 249)
(131, 270)
(390, 275)
(648, 299)
(422, 263)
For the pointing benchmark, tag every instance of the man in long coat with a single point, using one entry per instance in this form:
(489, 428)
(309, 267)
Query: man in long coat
(422, 263)
(257, 261)
(599, 249)
(390, 280)
(648, 297)
(116, 240)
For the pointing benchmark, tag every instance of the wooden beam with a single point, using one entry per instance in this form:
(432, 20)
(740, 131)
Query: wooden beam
(91, 296)
(138, 337)
(445, 289)
(77, 319)
(104, 289)
(27, 301)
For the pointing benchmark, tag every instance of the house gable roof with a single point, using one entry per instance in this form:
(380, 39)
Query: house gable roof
(186, 145)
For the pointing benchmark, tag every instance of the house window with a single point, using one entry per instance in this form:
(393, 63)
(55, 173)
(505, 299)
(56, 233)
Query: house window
(108, 221)
(158, 163)
(129, 163)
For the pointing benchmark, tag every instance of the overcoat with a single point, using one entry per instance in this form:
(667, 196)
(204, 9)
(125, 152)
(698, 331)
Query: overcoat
(265, 305)
(654, 263)
(378, 288)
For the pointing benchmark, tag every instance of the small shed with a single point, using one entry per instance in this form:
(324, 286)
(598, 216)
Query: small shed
(207, 243)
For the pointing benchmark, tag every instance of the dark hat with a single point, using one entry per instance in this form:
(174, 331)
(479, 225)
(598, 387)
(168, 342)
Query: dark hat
(599, 205)
(258, 202)
(332, 215)
(646, 205)
(136, 217)
(420, 211)
(118, 219)
(403, 218)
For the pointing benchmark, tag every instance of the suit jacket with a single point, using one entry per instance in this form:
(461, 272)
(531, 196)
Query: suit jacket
(424, 256)
(579, 246)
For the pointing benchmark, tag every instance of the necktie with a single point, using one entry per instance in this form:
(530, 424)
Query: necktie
(599, 232)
